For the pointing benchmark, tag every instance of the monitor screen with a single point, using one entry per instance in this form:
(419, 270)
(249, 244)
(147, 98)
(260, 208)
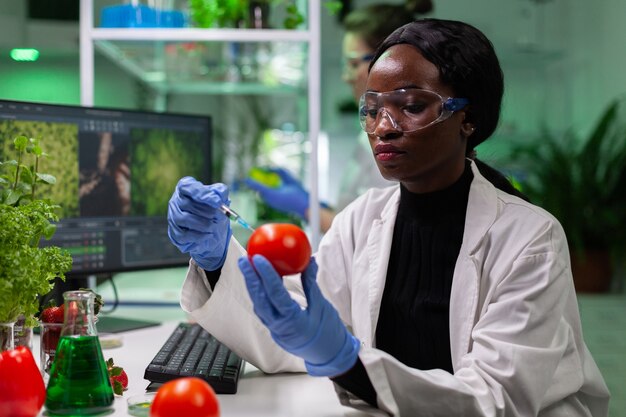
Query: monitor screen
(115, 170)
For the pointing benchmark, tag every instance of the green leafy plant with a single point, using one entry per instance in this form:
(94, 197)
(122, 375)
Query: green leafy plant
(236, 13)
(26, 269)
(217, 13)
(581, 182)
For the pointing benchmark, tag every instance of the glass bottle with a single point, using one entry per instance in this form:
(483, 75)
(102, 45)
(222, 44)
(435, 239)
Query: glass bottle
(79, 381)
(22, 334)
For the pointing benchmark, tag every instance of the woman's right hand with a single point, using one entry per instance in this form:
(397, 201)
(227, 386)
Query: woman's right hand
(196, 225)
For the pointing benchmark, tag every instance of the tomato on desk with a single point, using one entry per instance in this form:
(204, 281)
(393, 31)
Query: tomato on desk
(285, 245)
(187, 396)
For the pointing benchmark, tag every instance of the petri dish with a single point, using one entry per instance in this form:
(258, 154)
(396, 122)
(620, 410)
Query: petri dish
(139, 405)
(110, 340)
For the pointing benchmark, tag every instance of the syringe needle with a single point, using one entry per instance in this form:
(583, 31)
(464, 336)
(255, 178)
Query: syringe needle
(231, 214)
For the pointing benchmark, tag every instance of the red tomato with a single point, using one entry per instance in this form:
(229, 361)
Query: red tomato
(22, 390)
(285, 245)
(187, 396)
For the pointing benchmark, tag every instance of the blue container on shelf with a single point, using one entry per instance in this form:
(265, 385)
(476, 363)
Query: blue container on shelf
(140, 16)
(171, 19)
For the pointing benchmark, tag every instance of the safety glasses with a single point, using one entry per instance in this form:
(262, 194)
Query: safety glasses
(406, 110)
(350, 64)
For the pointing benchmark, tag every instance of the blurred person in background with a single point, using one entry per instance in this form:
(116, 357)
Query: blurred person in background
(365, 28)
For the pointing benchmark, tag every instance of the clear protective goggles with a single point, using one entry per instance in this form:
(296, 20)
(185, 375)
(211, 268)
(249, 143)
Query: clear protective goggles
(350, 64)
(407, 109)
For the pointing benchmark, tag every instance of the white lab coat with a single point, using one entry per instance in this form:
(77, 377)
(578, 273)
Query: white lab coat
(515, 334)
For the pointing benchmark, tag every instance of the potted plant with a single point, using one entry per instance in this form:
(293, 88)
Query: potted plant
(253, 14)
(582, 183)
(26, 269)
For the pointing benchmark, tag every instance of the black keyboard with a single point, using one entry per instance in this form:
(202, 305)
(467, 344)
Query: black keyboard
(192, 351)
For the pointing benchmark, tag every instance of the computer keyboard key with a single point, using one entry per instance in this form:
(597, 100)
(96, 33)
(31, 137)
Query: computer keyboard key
(233, 360)
(155, 368)
(187, 371)
(161, 358)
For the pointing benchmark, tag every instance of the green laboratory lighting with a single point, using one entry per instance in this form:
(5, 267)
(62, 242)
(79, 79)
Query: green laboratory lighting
(24, 54)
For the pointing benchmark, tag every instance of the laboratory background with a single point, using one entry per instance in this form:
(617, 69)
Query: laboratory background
(565, 87)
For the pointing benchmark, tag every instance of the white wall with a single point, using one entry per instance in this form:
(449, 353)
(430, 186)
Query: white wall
(597, 45)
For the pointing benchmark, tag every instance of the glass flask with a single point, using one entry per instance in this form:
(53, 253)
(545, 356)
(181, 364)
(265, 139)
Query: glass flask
(79, 381)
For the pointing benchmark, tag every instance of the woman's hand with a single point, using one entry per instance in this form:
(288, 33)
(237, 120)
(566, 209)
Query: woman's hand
(315, 333)
(196, 225)
(289, 197)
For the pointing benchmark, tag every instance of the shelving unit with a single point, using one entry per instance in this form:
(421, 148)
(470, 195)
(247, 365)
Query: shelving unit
(108, 42)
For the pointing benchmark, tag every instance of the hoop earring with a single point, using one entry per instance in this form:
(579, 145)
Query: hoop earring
(467, 130)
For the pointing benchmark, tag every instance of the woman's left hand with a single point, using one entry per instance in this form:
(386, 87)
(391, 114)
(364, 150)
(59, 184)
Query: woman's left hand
(315, 333)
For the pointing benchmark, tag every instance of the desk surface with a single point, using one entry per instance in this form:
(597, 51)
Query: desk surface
(258, 394)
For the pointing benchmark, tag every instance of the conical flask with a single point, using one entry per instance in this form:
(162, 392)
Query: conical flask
(79, 381)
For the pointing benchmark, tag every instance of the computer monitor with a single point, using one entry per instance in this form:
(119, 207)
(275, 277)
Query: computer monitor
(116, 170)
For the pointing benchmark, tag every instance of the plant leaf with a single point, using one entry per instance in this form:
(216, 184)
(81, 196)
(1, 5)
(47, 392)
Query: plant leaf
(36, 150)
(333, 6)
(49, 231)
(12, 162)
(118, 388)
(47, 178)
(26, 175)
(13, 197)
(20, 143)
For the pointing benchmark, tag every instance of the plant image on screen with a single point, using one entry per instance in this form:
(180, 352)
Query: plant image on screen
(59, 140)
(159, 159)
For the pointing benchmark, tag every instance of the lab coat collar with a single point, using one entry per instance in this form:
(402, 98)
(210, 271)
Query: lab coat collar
(379, 247)
(482, 210)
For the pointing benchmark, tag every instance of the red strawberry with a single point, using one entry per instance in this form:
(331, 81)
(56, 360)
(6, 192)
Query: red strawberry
(52, 315)
(59, 314)
(117, 377)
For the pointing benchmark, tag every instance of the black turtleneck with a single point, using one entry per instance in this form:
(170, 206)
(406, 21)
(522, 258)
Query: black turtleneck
(413, 324)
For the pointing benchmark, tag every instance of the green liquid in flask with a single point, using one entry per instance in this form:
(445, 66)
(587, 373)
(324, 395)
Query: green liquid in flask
(79, 382)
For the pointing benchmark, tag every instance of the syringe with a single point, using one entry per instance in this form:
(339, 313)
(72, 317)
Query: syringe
(231, 214)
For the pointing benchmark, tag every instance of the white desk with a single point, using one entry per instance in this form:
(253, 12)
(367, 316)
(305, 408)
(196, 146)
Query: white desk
(258, 394)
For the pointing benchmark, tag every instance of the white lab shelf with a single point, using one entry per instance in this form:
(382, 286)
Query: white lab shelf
(109, 42)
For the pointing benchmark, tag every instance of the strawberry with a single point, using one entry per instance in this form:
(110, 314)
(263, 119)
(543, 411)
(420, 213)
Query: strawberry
(52, 315)
(52, 319)
(117, 377)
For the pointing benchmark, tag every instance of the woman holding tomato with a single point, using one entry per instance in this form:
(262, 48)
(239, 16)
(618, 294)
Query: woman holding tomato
(447, 295)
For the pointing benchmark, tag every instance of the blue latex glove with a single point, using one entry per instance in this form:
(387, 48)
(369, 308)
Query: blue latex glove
(196, 225)
(288, 197)
(316, 333)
